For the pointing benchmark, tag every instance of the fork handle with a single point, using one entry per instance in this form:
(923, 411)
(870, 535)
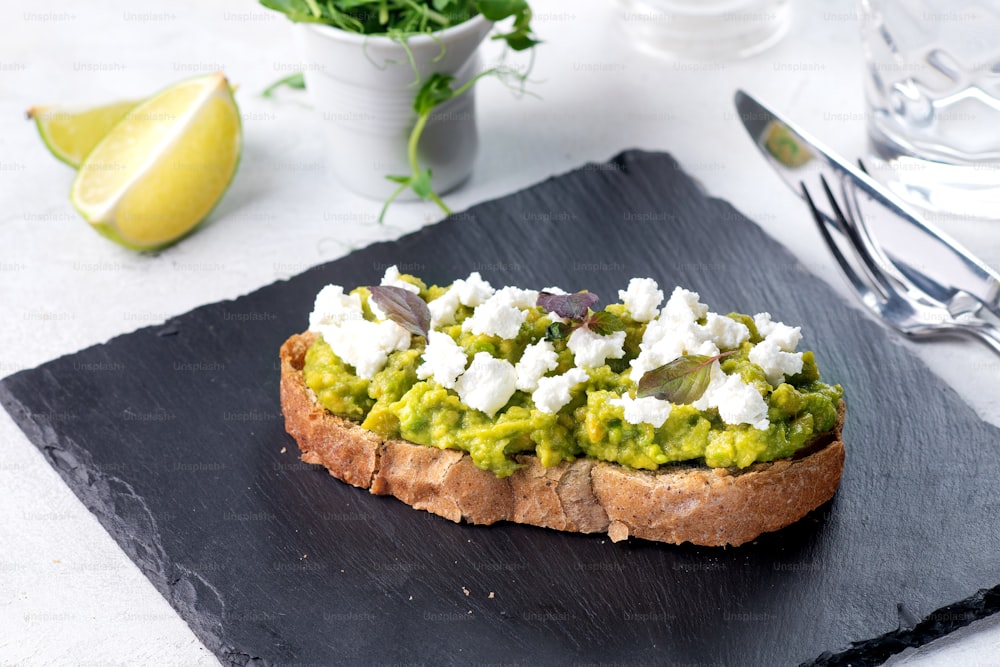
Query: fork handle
(984, 331)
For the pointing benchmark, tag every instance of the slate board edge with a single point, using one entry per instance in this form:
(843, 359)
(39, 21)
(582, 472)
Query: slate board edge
(938, 624)
(874, 651)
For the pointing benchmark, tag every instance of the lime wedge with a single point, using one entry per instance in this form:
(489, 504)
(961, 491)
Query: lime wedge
(70, 134)
(164, 166)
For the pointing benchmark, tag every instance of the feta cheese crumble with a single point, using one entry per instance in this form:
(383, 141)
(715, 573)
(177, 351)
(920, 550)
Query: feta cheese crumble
(786, 337)
(496, 317)
(332, 307)
(392, 278)
(487, 384)
(516, 297)
(736, 401)
(647, 410)
(590, 349)
(365, 345)
(444, 360)
(776, 354)
(553, 392)
(537, 360)
(471, 291)
(642, 298)
(443, 308)
(725, 332)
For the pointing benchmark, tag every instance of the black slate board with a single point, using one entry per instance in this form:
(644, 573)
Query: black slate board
(172, 436)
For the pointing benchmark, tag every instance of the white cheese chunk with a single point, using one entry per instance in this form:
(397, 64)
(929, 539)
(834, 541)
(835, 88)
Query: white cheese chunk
(736, 401)
(495, 317)
(554, 392)
(537, 360)
(785, 337)
(443, 308)
(776, 354)
(391, 279)
(775, 362)
(642, 298)
(487, 384)
(333, 307)
(444, 360)
(365, 345)
(473, 290)
(516, 297)
(646, 410)
(590, 349)
(684, 306)
(724, 332)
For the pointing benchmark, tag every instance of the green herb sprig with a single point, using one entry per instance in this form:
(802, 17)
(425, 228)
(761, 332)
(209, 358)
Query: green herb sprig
(382, 17)
(294, 81)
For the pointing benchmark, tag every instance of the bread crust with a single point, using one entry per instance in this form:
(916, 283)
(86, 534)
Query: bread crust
(679, 503)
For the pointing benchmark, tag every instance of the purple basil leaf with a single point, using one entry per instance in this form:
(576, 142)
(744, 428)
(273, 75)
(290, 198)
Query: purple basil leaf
(683, 380)
(604, 323)
(403, 307)
(570, 306)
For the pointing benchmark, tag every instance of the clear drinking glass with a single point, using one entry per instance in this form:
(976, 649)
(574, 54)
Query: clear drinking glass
(933, 90)
(705, 29)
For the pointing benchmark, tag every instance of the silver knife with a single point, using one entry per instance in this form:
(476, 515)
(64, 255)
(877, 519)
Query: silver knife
(928, 256)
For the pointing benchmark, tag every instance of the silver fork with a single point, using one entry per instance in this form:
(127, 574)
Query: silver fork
(883, 288)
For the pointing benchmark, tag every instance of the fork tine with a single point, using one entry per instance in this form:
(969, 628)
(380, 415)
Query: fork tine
(861, 286)
(873, 270)
(877, 262)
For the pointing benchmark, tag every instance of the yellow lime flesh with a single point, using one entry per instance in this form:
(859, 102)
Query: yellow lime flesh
(70, 134)
(164, 166)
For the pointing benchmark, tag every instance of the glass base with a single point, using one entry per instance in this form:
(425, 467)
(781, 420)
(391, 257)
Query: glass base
(706, 30)
(944, 190)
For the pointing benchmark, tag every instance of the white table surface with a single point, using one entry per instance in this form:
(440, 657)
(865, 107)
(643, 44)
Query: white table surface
(68, 595)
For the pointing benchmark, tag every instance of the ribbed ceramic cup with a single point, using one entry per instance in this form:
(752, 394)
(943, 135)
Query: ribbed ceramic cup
(364, 86)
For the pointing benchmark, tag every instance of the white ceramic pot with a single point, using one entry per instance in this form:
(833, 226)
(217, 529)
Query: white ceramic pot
(364, 87)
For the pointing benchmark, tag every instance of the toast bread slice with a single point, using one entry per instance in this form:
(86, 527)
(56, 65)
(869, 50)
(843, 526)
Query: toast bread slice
(677, 503)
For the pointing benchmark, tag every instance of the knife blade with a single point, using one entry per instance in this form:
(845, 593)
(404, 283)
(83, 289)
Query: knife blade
(928, 256)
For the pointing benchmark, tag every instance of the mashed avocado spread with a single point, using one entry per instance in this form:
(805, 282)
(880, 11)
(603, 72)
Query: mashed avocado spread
(491, 379)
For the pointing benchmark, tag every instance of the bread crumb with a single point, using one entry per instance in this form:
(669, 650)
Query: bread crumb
(617, 531)
(466, 591)
(491, 595)
(56, 560)
(284, 449)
